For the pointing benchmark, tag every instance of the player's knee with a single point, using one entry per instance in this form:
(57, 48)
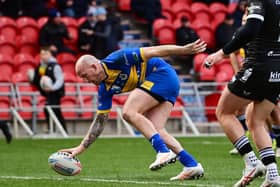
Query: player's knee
(128, 115)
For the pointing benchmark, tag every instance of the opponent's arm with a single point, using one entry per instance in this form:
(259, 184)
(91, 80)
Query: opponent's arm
(166, 50)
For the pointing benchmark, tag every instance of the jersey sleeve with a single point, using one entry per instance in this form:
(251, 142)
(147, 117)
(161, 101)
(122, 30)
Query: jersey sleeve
(256, 10)
(104, 100)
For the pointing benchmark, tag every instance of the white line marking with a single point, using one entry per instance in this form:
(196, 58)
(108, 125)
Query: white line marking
(106, 181)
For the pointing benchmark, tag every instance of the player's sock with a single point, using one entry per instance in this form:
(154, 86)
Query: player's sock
(276, 132)
(267, 157)
(245, 149)
(158, 144)
(187, 159)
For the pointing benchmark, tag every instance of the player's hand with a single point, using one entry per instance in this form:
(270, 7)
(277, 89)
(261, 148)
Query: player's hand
(195, 47)
(213, 58)
(74, 151)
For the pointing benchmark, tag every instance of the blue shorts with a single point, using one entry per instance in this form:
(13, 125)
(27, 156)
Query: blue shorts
(162, 84)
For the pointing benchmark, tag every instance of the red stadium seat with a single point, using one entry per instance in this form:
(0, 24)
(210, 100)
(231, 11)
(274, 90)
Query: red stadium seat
(72, 43)
(25, 110)
(176, 112)
(88, 104)
(166, 36)
(8, 27)
(166, 3)
(186, 2)
(69, 104)
(27, 45)
(207, 36)
(24, 61)
(160, 24)
(19, 77)
(81, 20)
(6, 66)
(226, 68)
(66, 58)
(120, 99)
(69, 77)
(124, 5)
(232, 7)
(168, 14)
(221, 78)
(7, 46)
(4, 108)
(70, 22)
(27, 26)
(180, 9)
(40, 107)
(42, 21)
(198, 24)
(198, 61)
(217, 7)
(207, 74)
(201, 11)
(211, 102)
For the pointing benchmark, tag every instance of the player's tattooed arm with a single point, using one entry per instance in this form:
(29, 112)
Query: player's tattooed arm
(95, 129)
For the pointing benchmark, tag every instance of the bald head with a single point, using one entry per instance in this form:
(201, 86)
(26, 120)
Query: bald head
(84, 62)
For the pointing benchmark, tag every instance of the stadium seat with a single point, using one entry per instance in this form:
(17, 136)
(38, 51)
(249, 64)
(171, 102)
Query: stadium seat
(120, 99)
(232, 7)
(168, 14)
(81, 20)
(27, 45)
(221, 79)
(176, 112)
(87, 90)
(72, 43)
(66, 58)
(198, 61)
(198, 24)
(165, 4)
(25, 109)
(23, 62)
(207, 35)
(201, 11)
(69, 104)
(5, 108)
(179, 9)
(69, 77)
(186, 2)
(8, 27)
(70, 22)
(159, 24)
(166, 36)
(124, 5)
(88, 105)
(217, 7)
(40, 107)
(207, 74)
(6, 66)
(7, 46)
(227, 68)
(42, 21)
(211, 102)
(19, 77)
(28, 26)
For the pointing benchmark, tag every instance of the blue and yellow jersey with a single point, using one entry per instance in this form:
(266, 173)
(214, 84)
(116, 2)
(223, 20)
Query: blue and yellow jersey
(127, 69)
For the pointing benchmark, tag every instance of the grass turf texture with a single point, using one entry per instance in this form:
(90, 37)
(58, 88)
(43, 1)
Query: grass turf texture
(116, 162)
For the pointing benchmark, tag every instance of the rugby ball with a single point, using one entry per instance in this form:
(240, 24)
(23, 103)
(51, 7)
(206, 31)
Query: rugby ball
(62, 163)
(46, 82)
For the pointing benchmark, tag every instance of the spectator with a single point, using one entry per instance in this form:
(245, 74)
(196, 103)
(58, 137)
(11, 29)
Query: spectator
(86, 32)
(185, 35)
(48, 66)
(102, 31)
(6, 131)
(238, 13)
(66, 7)
(53, 33)
(225, 31)
(149, 10)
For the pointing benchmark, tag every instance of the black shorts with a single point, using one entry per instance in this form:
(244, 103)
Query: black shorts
(257, 81)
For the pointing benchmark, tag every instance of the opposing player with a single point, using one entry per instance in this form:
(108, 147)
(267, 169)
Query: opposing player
(154, 87)
(257, 83)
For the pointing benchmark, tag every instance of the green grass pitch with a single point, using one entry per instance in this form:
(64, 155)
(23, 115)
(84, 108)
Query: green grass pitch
(114, 162)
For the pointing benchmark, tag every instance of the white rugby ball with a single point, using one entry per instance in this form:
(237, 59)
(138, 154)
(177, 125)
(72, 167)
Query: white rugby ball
(46, 82)
(62, 163)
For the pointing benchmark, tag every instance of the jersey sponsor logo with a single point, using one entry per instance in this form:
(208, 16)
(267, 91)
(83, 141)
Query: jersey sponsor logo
(123, 76)
(272, 53)
(135, 56)
(274, 77)
(246, 75)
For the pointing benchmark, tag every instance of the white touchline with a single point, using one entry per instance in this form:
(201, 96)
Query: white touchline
(105, 181)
